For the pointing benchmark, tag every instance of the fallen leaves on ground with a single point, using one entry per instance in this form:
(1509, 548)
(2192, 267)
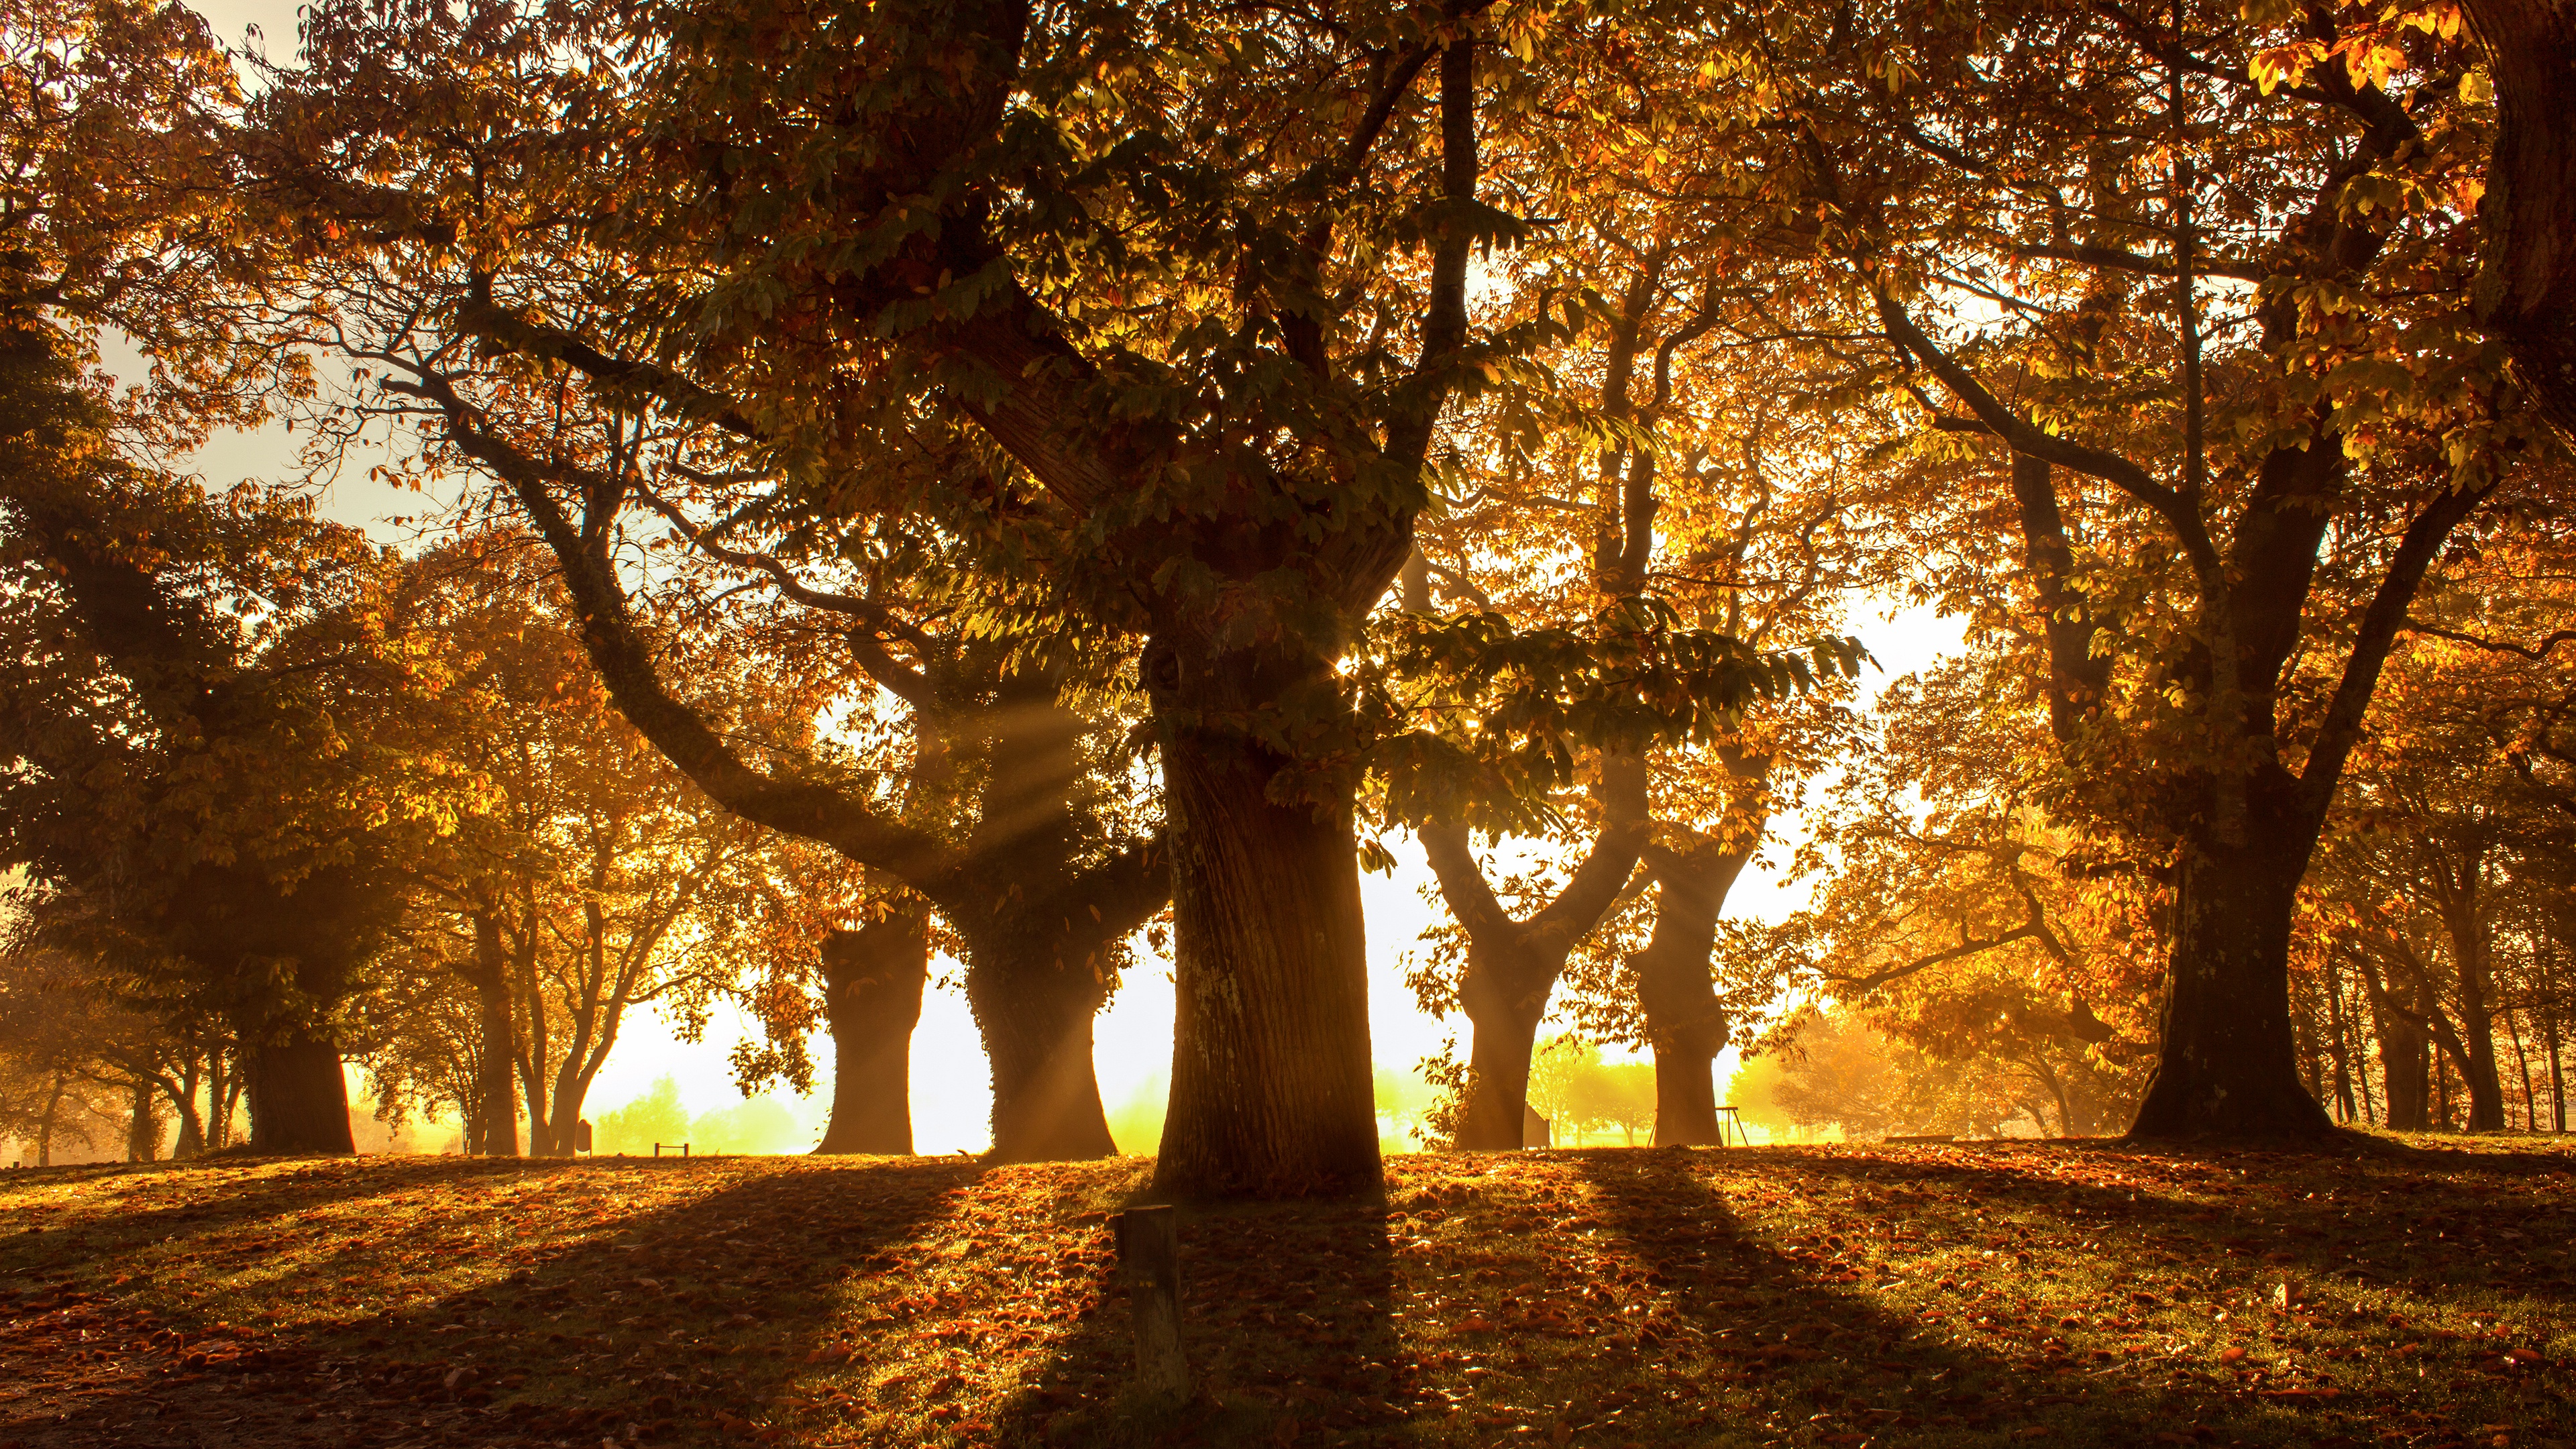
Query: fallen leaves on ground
(1936, 1294)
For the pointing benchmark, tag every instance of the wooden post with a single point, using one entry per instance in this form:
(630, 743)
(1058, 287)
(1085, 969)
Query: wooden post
(1149, 1261)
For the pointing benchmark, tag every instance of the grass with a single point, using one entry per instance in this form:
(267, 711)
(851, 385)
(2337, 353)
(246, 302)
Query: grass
(1934, 1295)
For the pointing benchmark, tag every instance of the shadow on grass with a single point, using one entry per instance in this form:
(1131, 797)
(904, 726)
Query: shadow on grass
(679, 1327)
(2357, 1235)
(1287, 1321)
(1803, 1350)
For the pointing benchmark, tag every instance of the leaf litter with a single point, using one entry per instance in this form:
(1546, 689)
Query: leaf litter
(1848, 1295)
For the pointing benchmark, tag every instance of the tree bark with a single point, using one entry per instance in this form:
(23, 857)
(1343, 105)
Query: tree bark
(2557, 1083)
(496, 1041)
(2229, 1066)
(1271, 1091)
(872, 983)
(192, 1124)
(299, 1101)
(1035, 1012)
(2526, 288)
(2405, 1051)
(1504, 995)
(2336, 1023)
(1686, 1027)
(143, 1124)
(2477, 1020)
(1513, 965)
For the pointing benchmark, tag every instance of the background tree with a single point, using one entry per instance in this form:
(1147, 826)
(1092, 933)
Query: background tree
(2226, 512)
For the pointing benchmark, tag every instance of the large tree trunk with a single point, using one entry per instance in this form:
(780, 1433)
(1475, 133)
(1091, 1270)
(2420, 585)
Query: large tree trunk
(46, 1119)
(872, 983)
(1686, 1027)
(2557, 1082)
(1035, 1012)
(1513, 964)
(1504, 994)
(2526, 289)
(497, 1046)
(2405, 1052)
(143, 1124)
(192, 1123)
(2477, 1017)
(2229, 1066)
(1271, 1093)
(299, 1101)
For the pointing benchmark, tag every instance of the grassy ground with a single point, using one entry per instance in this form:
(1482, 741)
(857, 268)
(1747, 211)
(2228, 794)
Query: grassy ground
(1837, 1296)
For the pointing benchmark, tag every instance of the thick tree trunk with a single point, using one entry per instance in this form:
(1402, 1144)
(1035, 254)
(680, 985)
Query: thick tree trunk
(2557, 1083)
(299, 1101)
(872, 983)
(142, 1125)
(1685, 1025)
(2477, 1030)
(2229, 1066)
(1271, 1092)
(498, 1044)
(2406, 1064)
(1504, 995)
(2526, 288)
(45, 1120)
(2405, 1049)
(192, 1123)
(1035, 1013)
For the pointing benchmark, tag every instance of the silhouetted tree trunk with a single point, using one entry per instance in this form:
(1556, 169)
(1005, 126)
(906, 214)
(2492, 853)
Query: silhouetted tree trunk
(46, 1119)
(299, 1100)
(2557, 1083)
(1685, 1025)
(496, 1042)
(2405, 1049)
(1271, 1089)
(872, 983)
(2337, 1023)
(1035, 1010)
(2230, 1060)
(192, 1123)
(1513, 965)
(143, 1123)
(2526, 288)
(2477, 1055)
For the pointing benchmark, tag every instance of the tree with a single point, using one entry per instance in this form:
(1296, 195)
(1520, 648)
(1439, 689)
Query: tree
(631, 1130)
(186, 668)
(2526, 290)
(1243, 463)
(2225, 519)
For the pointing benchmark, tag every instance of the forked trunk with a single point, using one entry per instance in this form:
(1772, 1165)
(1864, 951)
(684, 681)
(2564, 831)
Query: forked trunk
(1685, 1025)
(2229, 1066)
(872, 983)
(1271, 1094)
(299, 1101)
(498, 1045)
(192, 1123)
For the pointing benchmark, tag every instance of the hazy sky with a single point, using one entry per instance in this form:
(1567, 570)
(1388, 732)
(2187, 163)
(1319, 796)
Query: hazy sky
(951, 1093)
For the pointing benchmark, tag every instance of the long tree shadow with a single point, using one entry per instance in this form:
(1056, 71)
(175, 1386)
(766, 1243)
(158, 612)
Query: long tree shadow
(2255, 1225)
(677, 1324)
(1287, 1321)
(1796, 1345)
(301, 1185)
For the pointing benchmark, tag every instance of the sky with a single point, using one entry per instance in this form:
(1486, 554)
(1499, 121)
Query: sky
(951, 1096)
